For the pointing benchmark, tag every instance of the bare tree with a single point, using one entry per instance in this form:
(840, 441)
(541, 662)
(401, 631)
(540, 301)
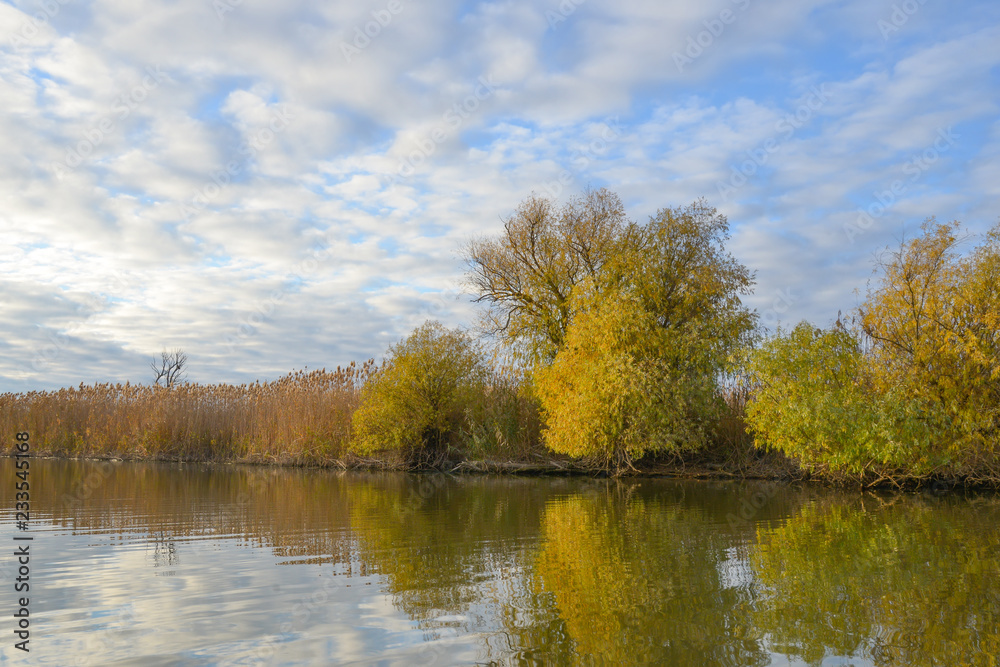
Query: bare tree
(170, 368)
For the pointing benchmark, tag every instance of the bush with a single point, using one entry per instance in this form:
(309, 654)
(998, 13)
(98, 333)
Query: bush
(933, 322)
(624, 385)
(815, 400)
(417, 402)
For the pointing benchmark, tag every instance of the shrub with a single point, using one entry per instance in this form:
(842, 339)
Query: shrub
(417, 401)
(624, 385)
(815, 400)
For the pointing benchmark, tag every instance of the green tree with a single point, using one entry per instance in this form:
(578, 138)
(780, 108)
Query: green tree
(417, 401)
(914, 389)
(814, 401)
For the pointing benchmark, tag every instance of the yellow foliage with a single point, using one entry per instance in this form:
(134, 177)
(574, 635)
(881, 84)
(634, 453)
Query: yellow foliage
(418, 399)
(915, 390)
(934, 325)
(643, 354)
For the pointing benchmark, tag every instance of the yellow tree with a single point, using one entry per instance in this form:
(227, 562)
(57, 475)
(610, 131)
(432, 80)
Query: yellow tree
(648, 343)
(526, 275)
(418, 399)
(933, 324)
(622, 385)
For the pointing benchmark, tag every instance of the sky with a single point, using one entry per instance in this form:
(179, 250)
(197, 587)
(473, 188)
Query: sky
(272, 186)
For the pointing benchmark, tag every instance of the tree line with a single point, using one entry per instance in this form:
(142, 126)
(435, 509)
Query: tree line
(627, 340)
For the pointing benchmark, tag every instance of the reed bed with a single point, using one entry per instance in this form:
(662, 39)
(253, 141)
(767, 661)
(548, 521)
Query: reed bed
(303, 418)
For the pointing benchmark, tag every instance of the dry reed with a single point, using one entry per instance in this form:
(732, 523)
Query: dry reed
(303, 418)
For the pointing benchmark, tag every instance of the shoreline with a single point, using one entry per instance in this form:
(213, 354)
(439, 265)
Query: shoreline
(786, 472)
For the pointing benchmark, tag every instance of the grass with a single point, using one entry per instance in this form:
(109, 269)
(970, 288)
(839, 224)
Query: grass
(303, 418)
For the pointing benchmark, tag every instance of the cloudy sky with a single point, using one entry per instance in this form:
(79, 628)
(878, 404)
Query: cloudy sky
(273, 185)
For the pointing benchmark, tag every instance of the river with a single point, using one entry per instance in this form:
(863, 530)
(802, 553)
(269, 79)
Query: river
(188, 564)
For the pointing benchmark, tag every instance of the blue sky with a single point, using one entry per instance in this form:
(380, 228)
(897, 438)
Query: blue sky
(274, 185)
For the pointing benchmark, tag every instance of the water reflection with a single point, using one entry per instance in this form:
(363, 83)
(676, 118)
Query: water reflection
(897, 580)
(191, 564)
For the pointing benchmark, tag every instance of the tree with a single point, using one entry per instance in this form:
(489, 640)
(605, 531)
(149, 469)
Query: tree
(526, 275)
(648, 341)
(417, 400)
(814, 401)
(934, 324)
(170, 369)
(624, 385)
(914, 388)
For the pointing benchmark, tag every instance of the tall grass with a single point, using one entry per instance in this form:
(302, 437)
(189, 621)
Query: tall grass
(303, 418)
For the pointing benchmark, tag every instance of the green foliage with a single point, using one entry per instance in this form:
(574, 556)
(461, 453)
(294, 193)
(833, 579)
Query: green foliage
(418, 399)
(903, 581)
(916, 389)
(815, 402)
(503, 420)
(934, 323)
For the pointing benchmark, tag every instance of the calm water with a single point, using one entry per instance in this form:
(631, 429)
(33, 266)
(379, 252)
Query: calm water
(153, 564)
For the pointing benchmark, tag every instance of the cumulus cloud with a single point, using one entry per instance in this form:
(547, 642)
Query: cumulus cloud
(275, 185)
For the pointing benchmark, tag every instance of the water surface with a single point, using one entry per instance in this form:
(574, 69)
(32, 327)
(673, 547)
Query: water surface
(168, 564)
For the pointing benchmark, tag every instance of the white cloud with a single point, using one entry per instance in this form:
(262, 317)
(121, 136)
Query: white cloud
(209, 203)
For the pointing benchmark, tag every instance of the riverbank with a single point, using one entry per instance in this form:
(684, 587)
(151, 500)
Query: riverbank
(306, 420)
(764, 466)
